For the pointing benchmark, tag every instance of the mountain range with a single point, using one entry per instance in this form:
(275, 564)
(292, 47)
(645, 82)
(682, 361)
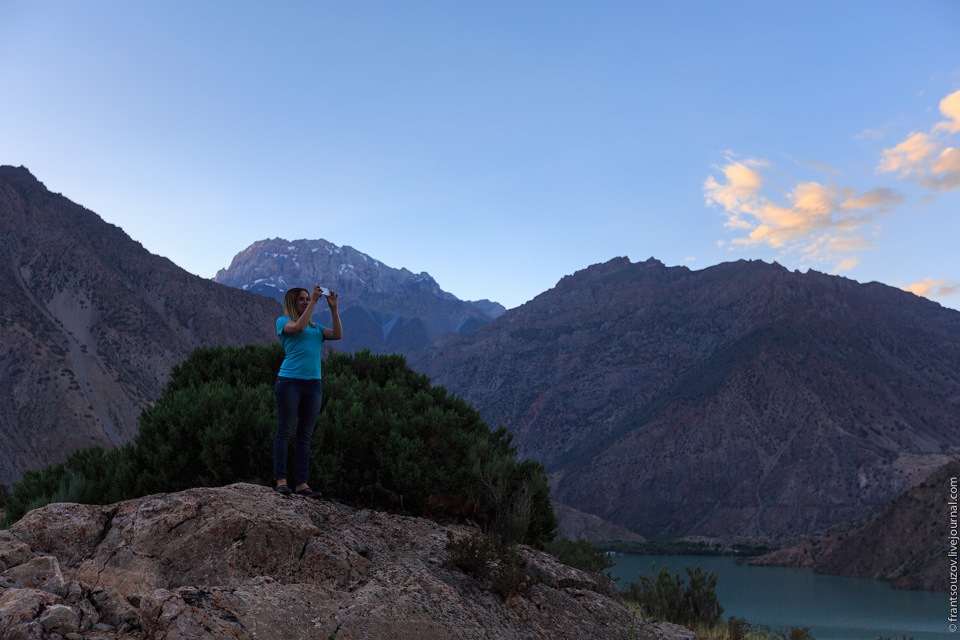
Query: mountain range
(739, 399)
(388, 310)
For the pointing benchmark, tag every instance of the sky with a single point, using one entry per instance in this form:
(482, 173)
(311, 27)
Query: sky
(500, 146)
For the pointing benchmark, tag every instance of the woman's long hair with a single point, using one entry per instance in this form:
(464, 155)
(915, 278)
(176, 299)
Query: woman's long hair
(290, 303)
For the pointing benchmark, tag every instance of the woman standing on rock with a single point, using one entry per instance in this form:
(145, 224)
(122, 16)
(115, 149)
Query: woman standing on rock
(298, 390)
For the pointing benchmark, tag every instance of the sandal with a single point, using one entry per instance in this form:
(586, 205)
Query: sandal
(282, 489)
(309, 493)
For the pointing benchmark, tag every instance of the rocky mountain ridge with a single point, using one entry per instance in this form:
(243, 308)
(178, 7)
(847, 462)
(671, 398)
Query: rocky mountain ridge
(576, 525)
(907, 543)
(244, 562)
(742, 399)
(92, 324)
(387, 310)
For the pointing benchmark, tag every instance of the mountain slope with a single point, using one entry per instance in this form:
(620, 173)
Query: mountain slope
(907, 543)
(92, 324)
(383, 309)
(740, 399)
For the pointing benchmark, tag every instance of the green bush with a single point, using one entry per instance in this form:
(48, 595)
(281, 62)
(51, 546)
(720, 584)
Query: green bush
(795, 633)
(579, 554)
(475, 555)
(382, 422)
(205, 436)
(479, 556)
(510, 578)
(738, 628)
(673, 599)
(516, 495)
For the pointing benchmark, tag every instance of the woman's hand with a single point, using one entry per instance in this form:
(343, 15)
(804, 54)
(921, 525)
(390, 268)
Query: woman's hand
(317, 293)
(336, 331)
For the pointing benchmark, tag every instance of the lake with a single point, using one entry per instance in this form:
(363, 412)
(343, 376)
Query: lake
(834, 608)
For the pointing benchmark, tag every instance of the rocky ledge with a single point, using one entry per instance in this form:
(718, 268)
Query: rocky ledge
(244, 562)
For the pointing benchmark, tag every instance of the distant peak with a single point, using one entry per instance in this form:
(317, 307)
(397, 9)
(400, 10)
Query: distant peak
(21, 173)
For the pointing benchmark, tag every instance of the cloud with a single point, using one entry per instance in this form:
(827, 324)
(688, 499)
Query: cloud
(847, 264)
(950, 108)
(929, 157)
(817, 165)
(823, 223)
(945, 171)
(882, 197)
(931, 288)
(910, 156)
(872, 134)
(740, 193)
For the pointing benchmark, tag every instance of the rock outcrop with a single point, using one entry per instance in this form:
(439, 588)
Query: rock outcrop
(244, 562)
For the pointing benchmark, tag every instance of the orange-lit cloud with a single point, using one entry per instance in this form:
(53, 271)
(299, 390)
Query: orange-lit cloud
(931, 288)
(824, 223)
(739, 194)
(910, 156)
(929, 157)
(950, 108)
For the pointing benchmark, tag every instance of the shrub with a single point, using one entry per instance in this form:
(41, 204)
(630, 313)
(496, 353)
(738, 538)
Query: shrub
(738, 628)
(795, 633)
(382, 422)
(673, 599)
(478, 556)
(516, 495)
(475, 555)
(510, 576)
(579, 554)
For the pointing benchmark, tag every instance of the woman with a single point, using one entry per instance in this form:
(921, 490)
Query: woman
(298, 390)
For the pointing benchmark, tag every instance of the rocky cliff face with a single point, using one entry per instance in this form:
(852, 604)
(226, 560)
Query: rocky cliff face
(244, 562)
(740, 399)
(575, 525)
(383, 309)
(92, 323)
(908, 543)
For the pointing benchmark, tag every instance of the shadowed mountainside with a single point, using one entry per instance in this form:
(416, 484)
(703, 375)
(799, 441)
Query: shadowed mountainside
(908, 543)
(92, 324)
(740, 399)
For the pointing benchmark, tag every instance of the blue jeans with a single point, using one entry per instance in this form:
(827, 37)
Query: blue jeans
(298, 405)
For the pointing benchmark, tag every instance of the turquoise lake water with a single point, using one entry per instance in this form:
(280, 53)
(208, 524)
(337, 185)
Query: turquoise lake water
(833, 608)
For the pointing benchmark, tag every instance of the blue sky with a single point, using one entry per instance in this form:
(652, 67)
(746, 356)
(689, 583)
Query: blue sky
(502, 145)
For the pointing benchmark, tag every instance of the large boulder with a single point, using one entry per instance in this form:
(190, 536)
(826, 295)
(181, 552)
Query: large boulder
(245, 562)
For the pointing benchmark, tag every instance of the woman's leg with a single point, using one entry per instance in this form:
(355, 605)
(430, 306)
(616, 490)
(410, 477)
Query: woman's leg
(311, 398)
(287, 394)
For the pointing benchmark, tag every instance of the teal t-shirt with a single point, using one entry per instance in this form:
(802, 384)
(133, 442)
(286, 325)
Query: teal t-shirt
(302, 359)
